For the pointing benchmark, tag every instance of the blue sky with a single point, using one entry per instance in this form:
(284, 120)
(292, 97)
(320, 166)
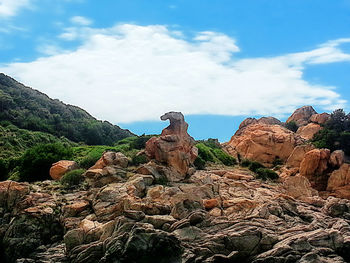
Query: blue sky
(216, 61)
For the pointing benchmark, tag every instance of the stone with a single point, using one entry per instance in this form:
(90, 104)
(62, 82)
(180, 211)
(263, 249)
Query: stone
(264, 143)
(11, 193)
(75, 208)
(313, 167)
(211, 203)
(60, 168)
(320, 118)
(308, 131)
(298, 154)
(111, 158)
(174, 147)
(339, 182)
(337, 158)
(262, 120)
(302, 115)
(99, 177)
(299, 187)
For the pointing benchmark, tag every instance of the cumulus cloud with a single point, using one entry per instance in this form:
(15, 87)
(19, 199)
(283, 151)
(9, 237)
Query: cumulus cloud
(10, 8)
(133, 73)
(80, 20)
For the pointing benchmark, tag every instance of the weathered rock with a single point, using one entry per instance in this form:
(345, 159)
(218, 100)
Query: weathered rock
(60, 168)
(314, 166)
(308, 131)
(264, 143)
(298, 155)
(111, 158)
(320, 118)
(339, 182)
(262, 120)
(109, 174)
(302, 115)
(299, 187)
(174, 147)
(11, 193)
(337, 158)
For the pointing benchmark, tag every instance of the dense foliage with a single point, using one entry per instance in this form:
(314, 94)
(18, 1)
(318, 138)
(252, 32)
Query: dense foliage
(259, 170)
(210, 151)
(36, 161)
(292, 125)
(33, 110)
(72, 178)
(335, 134)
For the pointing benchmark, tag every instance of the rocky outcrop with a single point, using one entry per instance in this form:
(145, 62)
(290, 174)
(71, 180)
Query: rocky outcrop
(111, 158)
(321, 118)
(339, 182)
(299, 187)
(298, 154)
(264, 143)
(262, 120)
(174, 147)
(60, 168)
(314, 167)
(336, 159)
(302, 115)
(308, 131)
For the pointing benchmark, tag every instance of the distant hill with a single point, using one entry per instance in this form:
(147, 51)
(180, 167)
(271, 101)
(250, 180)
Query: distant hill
(32, 110)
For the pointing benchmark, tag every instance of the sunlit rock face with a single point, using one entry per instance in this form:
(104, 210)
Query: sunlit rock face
(174, 147)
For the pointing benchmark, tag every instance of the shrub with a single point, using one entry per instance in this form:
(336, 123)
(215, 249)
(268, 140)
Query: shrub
(265, 173)
(199, 163)
(89, 160)
(277, 162)
(205, 152)
(72, 178)
(254, 166)
(224, 157)
(139, 159)
(36, 161)
(292, 126)
(3, 170)
(245, 163)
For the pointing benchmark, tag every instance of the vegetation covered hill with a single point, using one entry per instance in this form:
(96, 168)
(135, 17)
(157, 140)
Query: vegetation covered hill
(30, 109)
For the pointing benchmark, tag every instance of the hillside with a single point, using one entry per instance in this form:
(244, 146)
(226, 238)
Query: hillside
(30, 109)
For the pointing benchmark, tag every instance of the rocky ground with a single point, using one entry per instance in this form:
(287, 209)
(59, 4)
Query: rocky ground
(166, 211)
(217, 215)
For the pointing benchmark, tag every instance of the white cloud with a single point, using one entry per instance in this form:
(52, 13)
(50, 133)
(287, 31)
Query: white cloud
(81, 21)
(10, 8)
(131, 73)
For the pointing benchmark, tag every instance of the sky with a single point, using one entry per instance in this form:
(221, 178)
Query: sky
(218, 62)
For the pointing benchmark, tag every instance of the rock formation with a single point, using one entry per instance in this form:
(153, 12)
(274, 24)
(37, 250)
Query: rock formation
(339, 182)
(264, 143)
(174, 147)
(262, 120)
(308, 131)
(58, 169)
(302, 115)
(298, 154)
(321, 118)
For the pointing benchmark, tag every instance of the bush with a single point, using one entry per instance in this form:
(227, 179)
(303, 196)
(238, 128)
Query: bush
(36, 162)
(139, 159)
(199, 163)
(3, 170)
(245, 163)
(265, 173)
(89, 160)
(254, 166)
(292, 126)
(72, 178)
(277, 162)
(205, 152)
(224, 157)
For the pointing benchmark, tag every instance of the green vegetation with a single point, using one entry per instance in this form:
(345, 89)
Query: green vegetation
(32, 110)
(260, 171)
(292, 125)
(210, 151)
(36, 162)
(72, 178)
(335, 134)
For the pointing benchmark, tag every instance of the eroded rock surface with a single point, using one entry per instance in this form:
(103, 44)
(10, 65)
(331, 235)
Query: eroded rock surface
(302, 115)
(62, 167)
(174, 147)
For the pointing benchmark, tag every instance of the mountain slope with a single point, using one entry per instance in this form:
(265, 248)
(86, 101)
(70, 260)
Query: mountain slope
(30, 109)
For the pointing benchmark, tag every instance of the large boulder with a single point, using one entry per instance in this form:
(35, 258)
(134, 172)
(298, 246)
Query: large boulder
(111, 158)
(339, 182)
(307, 132)
(321, 118)
(314, 166)
(298, 155)
(262, 120)
(337, 158)
(302, 115)
(264, 143)
(299, 187)
(60, 168)
(175, 147)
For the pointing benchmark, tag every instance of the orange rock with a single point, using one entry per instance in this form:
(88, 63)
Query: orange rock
(210, 203)
(58, 169)
(339, 178)
(262, 120)
(298, 155)
(320, 118)
(299, 187)
(307, 132)
(12, 192)
(302, 115)
(337, 158)
(111, 158)
(313, 167)
(174, 147)
(264, 143)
